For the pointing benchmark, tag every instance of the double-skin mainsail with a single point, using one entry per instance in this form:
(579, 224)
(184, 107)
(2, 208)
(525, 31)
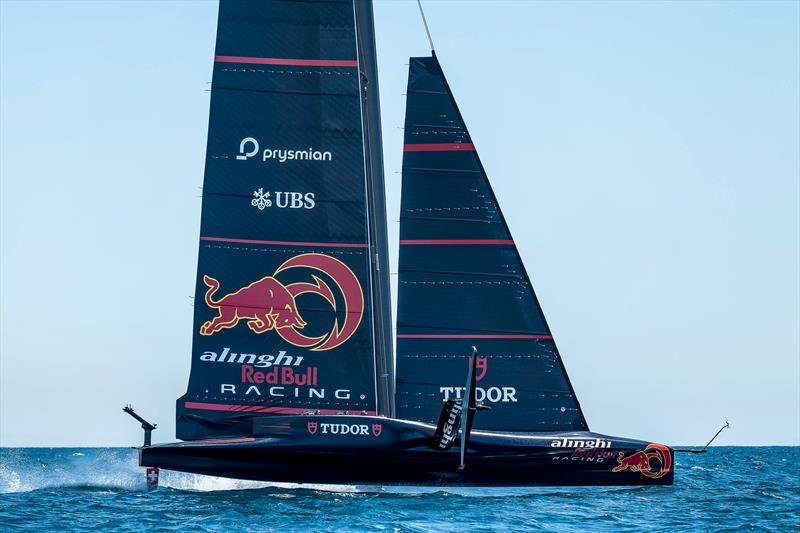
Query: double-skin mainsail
(291, 309)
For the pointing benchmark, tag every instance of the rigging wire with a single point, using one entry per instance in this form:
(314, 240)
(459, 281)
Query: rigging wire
(425, 23)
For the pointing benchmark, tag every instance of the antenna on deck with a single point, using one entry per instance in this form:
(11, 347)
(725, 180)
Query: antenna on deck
(425, 23)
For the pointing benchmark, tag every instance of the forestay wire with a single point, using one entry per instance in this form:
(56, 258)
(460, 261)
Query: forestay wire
(425, 23)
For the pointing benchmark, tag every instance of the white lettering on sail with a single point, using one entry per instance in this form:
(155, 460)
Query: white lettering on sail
(283, 200)
(488, 394)
(261, 361)
(311, 393)
(283, 155)
(248, 147)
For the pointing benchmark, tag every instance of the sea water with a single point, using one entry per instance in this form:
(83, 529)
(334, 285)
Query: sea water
(103, 489)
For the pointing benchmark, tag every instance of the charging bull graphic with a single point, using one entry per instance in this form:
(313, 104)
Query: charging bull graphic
(642, 461)
(249, 304)
(267, 304)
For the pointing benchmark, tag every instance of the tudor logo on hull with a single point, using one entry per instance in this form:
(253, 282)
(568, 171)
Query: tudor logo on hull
(358, 430)
(249, 147)
(268, 305)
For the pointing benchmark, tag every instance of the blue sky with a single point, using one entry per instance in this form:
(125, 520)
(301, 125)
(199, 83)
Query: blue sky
(646, 156)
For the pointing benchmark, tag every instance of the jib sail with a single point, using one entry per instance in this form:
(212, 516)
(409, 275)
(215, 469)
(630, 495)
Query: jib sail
(283, 313)
(462, 282)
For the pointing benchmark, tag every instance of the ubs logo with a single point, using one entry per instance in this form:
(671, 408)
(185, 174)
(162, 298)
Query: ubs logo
(283, 200)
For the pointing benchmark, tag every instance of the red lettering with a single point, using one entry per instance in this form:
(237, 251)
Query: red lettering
(247, 373)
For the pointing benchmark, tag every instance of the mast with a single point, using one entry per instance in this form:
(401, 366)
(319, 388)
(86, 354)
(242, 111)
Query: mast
(376, 206)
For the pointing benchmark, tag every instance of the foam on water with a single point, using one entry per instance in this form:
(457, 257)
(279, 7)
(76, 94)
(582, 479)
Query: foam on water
(22, 471)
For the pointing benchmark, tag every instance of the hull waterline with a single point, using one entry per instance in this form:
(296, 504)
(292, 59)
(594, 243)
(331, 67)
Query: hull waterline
(342, 449)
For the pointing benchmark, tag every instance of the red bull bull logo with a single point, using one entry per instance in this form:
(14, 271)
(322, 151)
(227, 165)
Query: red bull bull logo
(654, 461)
(269, 305)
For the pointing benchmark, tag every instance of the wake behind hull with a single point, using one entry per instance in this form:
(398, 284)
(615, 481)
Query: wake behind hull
(342, 449)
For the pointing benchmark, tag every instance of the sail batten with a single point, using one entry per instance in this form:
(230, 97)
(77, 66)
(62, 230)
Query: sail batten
(461, 282)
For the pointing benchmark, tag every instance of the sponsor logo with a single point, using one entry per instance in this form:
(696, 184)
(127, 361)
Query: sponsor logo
(260, 361)
(654, 461)
(345, 429)
(481, 364)
(283, 391)
(592, 455)
(488, 394)
(283, 200)
(249, 147)
(280, 376)
(269, 305)
(580, 443)
(447, 428)
(482, 394)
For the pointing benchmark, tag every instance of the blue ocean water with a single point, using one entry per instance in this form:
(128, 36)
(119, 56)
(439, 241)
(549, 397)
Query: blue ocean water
(103, 489)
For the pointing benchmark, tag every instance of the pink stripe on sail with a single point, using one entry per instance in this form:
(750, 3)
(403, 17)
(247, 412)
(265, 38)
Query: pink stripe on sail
(469, 336)
(457, 241)
(287, 243)
(287, 61)
(262, 409)
(439, 147)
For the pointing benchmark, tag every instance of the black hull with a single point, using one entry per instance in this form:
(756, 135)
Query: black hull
(372, 450)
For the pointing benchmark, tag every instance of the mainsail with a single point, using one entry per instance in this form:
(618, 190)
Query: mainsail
(285, 320)
(462, 282)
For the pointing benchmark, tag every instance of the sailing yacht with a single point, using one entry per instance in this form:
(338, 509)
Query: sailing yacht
(294, 377)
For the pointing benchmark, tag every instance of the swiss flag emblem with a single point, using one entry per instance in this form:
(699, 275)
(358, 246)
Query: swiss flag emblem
(376, 429)
(152, 477)
(312, 427)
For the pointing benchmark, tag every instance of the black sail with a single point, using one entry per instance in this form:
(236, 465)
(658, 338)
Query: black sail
(284, 317)
(462, 282)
